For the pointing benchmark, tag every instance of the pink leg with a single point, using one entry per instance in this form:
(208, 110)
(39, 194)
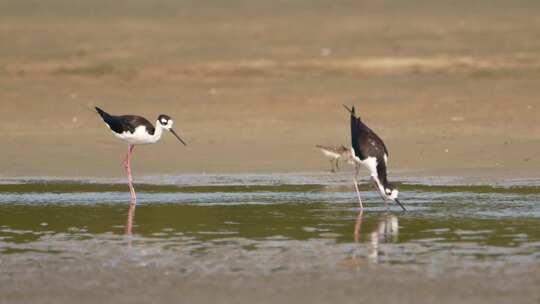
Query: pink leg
(358, 226)
(355, 182)
(131, 217)
(127, 165)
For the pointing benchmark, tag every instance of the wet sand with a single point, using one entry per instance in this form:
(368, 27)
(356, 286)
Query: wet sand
(58, 283)
(254, 87)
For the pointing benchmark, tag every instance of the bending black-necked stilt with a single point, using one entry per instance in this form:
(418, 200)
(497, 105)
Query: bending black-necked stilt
(369, 150)
(136, 130)
(335, 154)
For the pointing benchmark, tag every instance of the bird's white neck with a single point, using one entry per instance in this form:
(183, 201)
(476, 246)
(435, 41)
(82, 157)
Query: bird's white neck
(157, 133)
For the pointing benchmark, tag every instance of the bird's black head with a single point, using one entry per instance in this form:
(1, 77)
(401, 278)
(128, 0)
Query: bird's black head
(392, 193)
(166, 123)
(164, 120)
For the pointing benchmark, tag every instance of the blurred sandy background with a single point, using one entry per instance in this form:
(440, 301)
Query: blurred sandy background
(453, 88)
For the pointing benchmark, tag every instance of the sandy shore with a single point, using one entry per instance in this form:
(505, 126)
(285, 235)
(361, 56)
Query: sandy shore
(253, 91)
(362, 285)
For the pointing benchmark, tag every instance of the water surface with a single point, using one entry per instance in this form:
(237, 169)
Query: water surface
(275, 223)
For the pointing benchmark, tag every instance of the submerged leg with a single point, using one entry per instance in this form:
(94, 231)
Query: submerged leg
(127, 165)
(355, 182)
(358, 226)
(130, 219)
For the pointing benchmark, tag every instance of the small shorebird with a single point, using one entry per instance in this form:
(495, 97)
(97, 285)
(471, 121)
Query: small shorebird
(369, 150)
(136, 130)
(335, 153)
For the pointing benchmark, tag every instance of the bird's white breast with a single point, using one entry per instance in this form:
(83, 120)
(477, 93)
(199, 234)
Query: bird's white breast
(139, 137)
(370, 163)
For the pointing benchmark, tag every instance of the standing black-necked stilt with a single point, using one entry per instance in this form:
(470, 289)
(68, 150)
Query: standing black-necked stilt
(369, 150)
(335, 154)
(136, 130)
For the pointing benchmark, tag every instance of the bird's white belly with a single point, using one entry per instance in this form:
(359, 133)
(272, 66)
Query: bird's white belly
(369, 163)
(139, 137)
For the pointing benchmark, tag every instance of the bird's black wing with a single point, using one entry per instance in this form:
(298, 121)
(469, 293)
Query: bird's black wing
(355, 134)
(125, 123)
(132, 121)
(364, 141)
(367, 143)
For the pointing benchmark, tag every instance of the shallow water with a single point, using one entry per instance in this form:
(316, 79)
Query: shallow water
(266, 224)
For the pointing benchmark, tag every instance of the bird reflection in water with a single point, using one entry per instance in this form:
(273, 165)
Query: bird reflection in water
(130, 219)
(386, 231)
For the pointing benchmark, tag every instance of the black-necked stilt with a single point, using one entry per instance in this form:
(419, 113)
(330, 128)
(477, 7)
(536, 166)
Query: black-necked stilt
(136, 130)
(369, 150)
(335, 154)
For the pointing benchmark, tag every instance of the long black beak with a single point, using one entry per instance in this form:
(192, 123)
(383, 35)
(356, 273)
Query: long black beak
(402, 207)
(172, 131)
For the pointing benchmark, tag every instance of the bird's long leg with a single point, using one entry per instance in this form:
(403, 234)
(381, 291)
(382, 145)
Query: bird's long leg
(130, 219)
(127, 165)
(337, 164)
(332, 166)
(355, 182)
(378, 190)
(358, 226)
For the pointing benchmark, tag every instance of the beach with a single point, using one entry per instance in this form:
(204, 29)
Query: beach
(247, 212)
(254, 91)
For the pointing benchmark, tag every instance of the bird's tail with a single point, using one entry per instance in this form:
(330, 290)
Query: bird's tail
(355, 129)
(350, 110)
(102, 113)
